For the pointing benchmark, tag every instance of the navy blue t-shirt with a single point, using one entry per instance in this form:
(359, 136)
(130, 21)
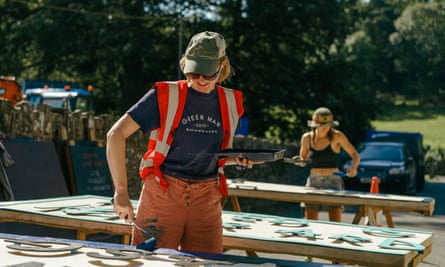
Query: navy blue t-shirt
(198, 136)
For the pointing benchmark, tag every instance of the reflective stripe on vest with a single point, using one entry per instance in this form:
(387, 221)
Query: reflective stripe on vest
(162, 145)
(230, 105)
(171, 100)
(159, 138)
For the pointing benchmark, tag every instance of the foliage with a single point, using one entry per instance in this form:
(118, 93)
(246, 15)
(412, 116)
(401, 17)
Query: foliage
(289, 57)
(420, 34)
(435, 162)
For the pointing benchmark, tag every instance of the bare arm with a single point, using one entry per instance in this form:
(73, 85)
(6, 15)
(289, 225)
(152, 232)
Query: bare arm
(304, 149)
(352, 152)
(116, 158)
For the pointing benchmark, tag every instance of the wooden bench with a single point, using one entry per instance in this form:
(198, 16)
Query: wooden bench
(244, 231)
(367, 202)
(23, 250)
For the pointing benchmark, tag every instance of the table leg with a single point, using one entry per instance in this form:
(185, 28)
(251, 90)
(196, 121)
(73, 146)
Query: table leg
(236, 207)
(223, 202)
(358, 215)
(371, 216)
(388, 217)
(81, 235)
(364, 211)
(126, 239)
(235, 203)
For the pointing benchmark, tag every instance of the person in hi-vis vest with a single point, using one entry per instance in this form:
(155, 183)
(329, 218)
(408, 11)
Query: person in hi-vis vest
(183, 181)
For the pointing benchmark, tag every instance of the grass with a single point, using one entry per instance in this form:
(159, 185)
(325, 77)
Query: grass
(429, 120)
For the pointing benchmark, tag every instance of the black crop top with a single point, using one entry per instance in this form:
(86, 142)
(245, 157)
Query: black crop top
(325, 158)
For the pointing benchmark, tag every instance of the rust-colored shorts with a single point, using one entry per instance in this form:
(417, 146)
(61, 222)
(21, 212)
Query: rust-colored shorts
(186, 216)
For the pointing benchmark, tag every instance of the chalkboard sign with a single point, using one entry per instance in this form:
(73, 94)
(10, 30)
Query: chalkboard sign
(36, 171)
(90, 170)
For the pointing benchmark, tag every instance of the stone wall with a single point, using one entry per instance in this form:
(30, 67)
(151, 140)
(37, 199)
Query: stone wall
(43, 123)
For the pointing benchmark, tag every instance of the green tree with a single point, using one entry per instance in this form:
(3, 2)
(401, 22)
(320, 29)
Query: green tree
(284, 65)
(420, 34)
(289, 57)
(15, 43)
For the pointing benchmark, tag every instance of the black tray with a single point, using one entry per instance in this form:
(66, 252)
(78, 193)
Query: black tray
(293, 161)
(253, 154)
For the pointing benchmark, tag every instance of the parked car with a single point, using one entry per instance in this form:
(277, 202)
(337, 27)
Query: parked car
(391, 162)
(414, 141)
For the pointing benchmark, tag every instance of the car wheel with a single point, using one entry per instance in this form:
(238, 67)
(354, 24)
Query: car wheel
(411, 186)
(420, 180)
(405, 187)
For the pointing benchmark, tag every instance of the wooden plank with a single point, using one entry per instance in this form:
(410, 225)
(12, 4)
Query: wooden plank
(292, 193)
(21, 250)
(81, 255)
(261, 235)
(49, 212)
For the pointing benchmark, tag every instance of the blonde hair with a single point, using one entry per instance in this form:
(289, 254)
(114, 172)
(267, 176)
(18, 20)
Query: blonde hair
(224, 72)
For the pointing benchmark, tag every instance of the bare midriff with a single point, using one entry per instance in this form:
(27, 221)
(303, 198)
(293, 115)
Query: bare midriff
(323, 171)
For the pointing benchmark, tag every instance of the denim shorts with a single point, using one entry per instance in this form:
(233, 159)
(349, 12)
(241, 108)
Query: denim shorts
(324, 182)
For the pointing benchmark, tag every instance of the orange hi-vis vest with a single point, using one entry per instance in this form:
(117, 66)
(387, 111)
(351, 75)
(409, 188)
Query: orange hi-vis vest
(171, 101)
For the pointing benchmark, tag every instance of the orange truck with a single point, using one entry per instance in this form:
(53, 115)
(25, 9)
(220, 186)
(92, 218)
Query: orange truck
(10, 89)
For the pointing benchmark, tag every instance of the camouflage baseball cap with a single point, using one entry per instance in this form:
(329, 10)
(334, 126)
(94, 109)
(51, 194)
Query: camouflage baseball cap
(204, 52)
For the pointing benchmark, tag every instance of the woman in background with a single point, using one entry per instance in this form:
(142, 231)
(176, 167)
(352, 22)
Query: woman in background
(321, 147)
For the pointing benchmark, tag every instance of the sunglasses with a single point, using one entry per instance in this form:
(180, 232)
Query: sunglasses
(195, 76)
